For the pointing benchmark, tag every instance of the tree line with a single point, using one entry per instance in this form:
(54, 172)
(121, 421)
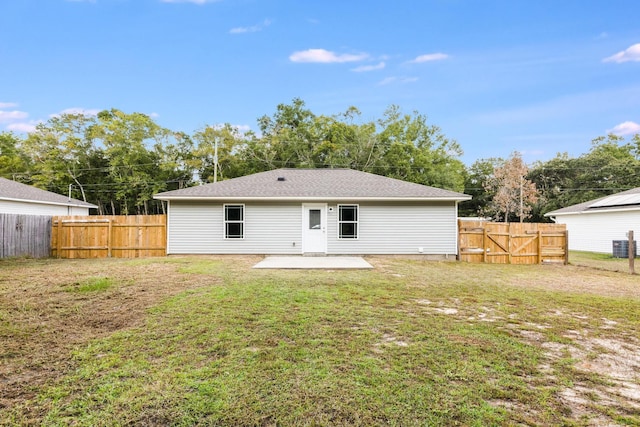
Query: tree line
(118, 160)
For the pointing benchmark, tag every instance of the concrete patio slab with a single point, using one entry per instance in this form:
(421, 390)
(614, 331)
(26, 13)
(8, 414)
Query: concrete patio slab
(324, 262)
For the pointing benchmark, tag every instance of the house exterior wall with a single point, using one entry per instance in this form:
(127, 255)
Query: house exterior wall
(276, 228)
(198, 228)
(595, 232)
(386, 228)
(34, 208)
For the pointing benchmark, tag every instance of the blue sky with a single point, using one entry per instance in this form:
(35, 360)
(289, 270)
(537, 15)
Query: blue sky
(536, 76)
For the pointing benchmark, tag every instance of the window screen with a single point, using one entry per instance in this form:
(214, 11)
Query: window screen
(348, 221)
(233, 221)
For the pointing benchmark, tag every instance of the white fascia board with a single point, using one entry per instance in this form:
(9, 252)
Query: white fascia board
(42, 202)
(317, 199)
(593, 212)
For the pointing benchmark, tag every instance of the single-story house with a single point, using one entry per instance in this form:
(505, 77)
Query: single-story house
(312, 211)
(18, 198)
(594, 225)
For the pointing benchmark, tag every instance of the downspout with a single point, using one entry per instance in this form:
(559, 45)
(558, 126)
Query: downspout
(457, 233)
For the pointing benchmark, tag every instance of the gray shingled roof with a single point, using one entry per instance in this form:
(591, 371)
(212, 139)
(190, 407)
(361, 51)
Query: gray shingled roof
(601, 202)
(17, 191)
(312, 184)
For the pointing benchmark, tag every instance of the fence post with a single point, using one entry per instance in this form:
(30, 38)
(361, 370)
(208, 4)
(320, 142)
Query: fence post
(484, 244)
(509, 242)
(539, 246)
(59, 241)
(109, 244)
(566, 247)
(632, 253)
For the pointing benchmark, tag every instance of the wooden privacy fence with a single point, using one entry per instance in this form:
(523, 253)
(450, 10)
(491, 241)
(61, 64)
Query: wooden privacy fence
(109, 236)
(512, 243)
(25, 235)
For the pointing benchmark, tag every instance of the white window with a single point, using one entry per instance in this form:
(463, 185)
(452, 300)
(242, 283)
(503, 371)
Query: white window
(234, 221)
(347, 221)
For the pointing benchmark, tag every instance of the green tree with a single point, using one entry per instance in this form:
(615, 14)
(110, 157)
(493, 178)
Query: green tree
(611, 165)
(14, 163)
(476, 179)
(133, 167)
(398, 145)
(62, 153)
(415, 151)
(230, 141)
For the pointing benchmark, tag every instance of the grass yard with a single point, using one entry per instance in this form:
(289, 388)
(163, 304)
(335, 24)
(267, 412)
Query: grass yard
(209, 341)
(602, 261)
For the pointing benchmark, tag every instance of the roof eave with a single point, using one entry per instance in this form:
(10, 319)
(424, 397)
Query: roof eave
(587, 212)
(314, 199)
(88, 205)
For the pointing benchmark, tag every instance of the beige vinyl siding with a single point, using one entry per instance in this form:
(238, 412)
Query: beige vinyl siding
(35, 208)
(269, 228)
(595, 232)
(398, 228)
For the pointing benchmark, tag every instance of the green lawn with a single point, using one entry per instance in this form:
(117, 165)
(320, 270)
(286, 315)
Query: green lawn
(603, 261)
(408, 343)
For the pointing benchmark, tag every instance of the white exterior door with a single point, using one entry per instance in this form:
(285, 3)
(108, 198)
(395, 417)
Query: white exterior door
(314, 228)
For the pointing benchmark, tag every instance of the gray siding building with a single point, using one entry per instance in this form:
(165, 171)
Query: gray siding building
(312, 211)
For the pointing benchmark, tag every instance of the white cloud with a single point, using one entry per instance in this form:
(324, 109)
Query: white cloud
(325, 56)
(12, 116)
(429, 57)
(23, 127)
(630, 54)
(77, 110)
(242, 128)
(625, 128)
(390, 80)
(15, 118)
(364, 68)
(387, 80)
(252, 29)
(189, 1)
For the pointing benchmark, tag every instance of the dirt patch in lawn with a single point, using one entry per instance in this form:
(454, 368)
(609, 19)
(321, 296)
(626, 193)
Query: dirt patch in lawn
(49, 308)
(607, 379)
(46, 310)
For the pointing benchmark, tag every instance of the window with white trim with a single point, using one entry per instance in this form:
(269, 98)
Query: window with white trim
(347, 221)
(234, 221)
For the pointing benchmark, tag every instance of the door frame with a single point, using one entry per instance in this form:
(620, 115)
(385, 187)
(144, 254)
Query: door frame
(305, 220)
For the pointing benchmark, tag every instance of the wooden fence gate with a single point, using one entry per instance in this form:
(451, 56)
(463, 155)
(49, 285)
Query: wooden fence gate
(512, 243)
(25, 235)
(109, 236)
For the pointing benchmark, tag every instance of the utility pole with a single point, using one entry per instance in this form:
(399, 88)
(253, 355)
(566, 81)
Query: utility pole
(215, 160)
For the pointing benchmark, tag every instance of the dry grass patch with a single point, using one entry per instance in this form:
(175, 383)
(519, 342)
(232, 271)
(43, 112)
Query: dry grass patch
(207, 340)
(50, 307)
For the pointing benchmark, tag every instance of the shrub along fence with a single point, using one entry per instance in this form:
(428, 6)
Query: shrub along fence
(109, 236)
(25, 235)
(512, 243)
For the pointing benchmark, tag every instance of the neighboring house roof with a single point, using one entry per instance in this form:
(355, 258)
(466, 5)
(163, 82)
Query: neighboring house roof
(313, 184)
(15, 191)
(626, 200)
